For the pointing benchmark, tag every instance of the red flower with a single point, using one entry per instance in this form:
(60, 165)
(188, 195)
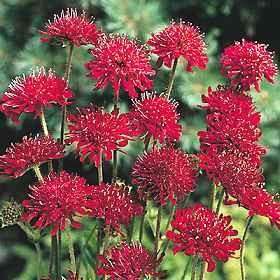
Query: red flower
(156, 116)
(113, 203)
(180, 39)
(33, 93)
(164, 174)
(200, 232)
(22, 156)
(235, 170)
(232, 121)
(97, 133)
(245, 63)
(123, 63)
(78, 29)
(128, 262)
(259, 202)
(56, 200)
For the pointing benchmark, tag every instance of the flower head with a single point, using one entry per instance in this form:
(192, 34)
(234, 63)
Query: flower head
(200, 232)
(246, 63)
(164, 174)
(33, 93)
(56, 201)
(20, 157)
(98, 133)
(77, 29)
(114, 203)
(128, 262)
(123, 63)
(259, 202)
(232, 121)
(180, 39)
(156, 116)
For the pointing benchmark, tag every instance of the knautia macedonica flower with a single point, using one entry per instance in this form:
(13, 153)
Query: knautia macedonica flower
(20, 157)
(33, 93)
(198, 231)
(232, 121)
(180, 39)
(155, 116)
(58, 200)
(98, 133)
(114, 203)
(78, 29)
(123, 63)
(259, 202)
(165, 174)
(246, 63)
(233, 169)
(128, 262)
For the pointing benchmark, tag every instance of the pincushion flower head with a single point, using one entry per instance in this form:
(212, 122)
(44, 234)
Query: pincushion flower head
(128, 262)
(198, 231)
(180, 39)
(232, 121)
(114, 203)
(78, 29)
(56, 202)
(98, 133)
(123, 63)
(156, 116)
(246, 63)
(260, 202)
(20, 157)
(33, 93)
(165, 174)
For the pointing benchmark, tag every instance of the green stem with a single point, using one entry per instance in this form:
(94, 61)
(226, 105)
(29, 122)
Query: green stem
(52, 256)
(202, 271)
(100, 170)
(221, 197)
(157, 237)
(56, 259)
(171, 78)
(64, 108)
(130, 230)
(106, 239)
(242, 250)
(115, 165)
(194, 264)
(142, 224)
(39, 258)
(71, 250)
(44, 123)
(165, 246)
(59, 253)
(38, 173)
(84, 247)
(186, 269)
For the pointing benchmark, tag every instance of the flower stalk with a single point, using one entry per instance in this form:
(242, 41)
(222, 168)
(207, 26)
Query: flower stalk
(242, 250)
(171, 78)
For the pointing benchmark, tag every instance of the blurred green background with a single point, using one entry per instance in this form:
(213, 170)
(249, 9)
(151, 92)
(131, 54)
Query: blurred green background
(222, 21)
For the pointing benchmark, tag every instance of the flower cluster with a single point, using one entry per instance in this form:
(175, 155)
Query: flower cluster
(200, 232)
(128, 262)
(77, 29)
(114, 203)
(164, 174)
(33, 93)
(180, 39)
(156, 116)
(20, 157)
(98, 133)
(230, 153)
(123, 63)
(246, 63)
(58, 200)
